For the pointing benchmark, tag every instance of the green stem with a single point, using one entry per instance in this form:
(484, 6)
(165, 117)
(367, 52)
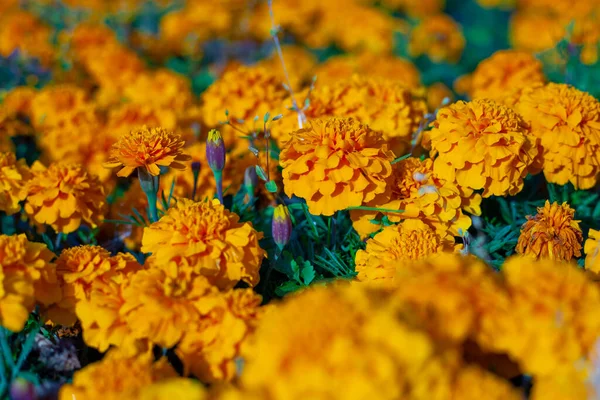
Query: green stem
(404, 157)
(150, 186)
(219, 182)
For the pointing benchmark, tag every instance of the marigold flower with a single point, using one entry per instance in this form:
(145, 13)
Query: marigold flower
(26, 276)
(208, 238)
(421, 194)
(438, 95)
(117, 376)
(23, 31)
(300, 64)
(396, 244)
(160, 89)
(567, 121)
(17, 101)
(174, 388)
(592, 250)
(147, 148)
(13, 182)
(483, 145)
(505, 71)
(212, 343)
(334, 164)
(54, 105)
(552, 233)
(64, 196)
(438, 37)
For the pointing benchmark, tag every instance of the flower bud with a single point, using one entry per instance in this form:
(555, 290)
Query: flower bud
(215, 151)
(22, 389)
(250, 179)
(281, 227)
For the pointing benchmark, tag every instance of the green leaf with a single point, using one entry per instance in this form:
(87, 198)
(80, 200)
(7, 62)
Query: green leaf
(286, 288)
(261, 173)
(271, 186)
(308, 273)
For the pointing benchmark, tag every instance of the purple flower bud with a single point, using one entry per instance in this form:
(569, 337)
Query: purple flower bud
(281, 227)
(22, 389)
(215, 151)
(250, 179)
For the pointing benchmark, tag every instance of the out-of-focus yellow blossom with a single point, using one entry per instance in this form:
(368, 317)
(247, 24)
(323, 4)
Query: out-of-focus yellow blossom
(23, 31)
(54, 105)
(438, 37)
(552, 233)
(26, 276)
(421, 194)
(64, 196)
(173, 388)
(438, 95)
(299, 62)
(396, 244)
(209, 239)
(335, 164)
(17, 101)
(483, 145)
(592, 251)
(567, 121)
(14, 176)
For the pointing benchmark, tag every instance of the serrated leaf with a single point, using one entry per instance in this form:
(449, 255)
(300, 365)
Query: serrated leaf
(308, 273)
(295, 270)
(286, 288)
(261, 173)
(271, 186)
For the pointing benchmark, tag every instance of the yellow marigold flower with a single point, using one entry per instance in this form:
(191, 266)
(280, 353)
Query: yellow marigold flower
(212, 343)
(117, 377)
(396, 244)
(299, 62)
(18, 101)
(160, 304)
(147, 148)
(55, 104)
(23, 31)
(78, 268)
(534, 31)
(555, 315)
(567, 121)
(438, 37)
(592, 250)
(483, 145)
(174, 388)
(86, 39)
(343, 67)
(385, 106)
(14, 176)
(161, 89)
(26, 276)
(210, 239)
(335, 164)
(422, 194)
(552, 233)
(64, 196)
(331, 353)
(505, 71)
(129, 116)
(438, 95)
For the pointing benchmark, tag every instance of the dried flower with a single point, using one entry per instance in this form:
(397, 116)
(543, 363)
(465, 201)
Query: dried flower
(483, 145)
(147, 148)
(13, 182)
(552, 233)
(439, 37)
(64, 196)
(334, 164)
(281, 226)
(208, 238)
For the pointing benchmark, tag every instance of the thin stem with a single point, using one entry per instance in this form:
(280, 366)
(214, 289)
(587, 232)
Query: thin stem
(219, 183)
(150, 186)
(195, 186)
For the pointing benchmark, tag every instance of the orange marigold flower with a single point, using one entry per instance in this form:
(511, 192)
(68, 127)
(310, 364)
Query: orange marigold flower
(14, 176)
(438, 95)
(147, 148)
(552, 233)
(54, 105)
(18, 101)
(63, 196)
(335, 164)
(438, 37)
(421, 194)
(129, 116)
(26, 276)
(210, 239)
(567, 121)
(505, 71)
(78, 268)
(162, 89)
(117, 376)
(212, 343)
(483, 145)
(396, 244)
(23, 31)
(160, 304)
(592, 250)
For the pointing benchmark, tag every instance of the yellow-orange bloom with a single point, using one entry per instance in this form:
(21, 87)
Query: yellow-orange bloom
(13, 182)
(483, 145)
(567, 121)
(396, 244)
(161, 89)
(503, 72)
(148, 148)
(335, 164)
(299, 62)
(438, 37)
(592, 251)
(64, 196)
(53, 106)
(23, 31)
(26, 276)
(210, 239)
(552, 233)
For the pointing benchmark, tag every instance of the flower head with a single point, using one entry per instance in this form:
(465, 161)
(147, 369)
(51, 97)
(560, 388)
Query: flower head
(26, 276)
(439, 37)
(552, 233)
(147, 148)
(281, 226)
(13, 182)
(208, 238)
(592, 251)
(396, 244)
(567, 121)
(334, 164)
(64, 196)
(483, 145)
